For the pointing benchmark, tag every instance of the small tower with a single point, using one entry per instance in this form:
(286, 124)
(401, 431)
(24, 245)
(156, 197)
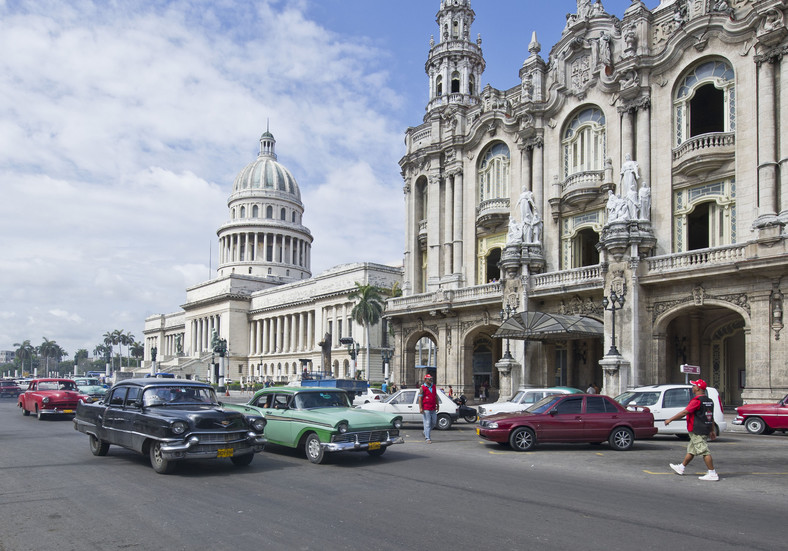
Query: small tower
(455, 64)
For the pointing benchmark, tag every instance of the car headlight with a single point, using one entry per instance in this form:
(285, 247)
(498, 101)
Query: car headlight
(342, 428)
(397, 423)
(258, 424)
(492, 425)
(179, 427)
(45, 399)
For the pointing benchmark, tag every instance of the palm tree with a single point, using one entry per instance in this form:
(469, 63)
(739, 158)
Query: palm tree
(50, 349)
(137, 351)
(367, 311)
(127, 339)
(110, 340)
(23, 351)
(81, 353)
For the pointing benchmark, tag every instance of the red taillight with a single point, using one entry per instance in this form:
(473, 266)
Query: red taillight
(377, 397)
(719, 399)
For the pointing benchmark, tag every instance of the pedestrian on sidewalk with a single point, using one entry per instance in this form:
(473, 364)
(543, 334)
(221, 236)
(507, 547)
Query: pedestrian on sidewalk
(428, 406)
(700, 425)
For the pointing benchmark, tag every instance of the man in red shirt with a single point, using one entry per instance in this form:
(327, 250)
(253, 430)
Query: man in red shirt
(429, 403)
(700, 425)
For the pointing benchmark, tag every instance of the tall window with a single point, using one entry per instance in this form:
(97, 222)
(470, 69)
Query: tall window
(584, 142)
(269, 211)
(494, 173)
(705, 101)
(439, 86)
(455, 82)
(705, 216)
(255, 211)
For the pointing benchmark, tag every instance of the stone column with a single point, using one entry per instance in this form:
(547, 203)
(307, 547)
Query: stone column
(767, 140)
(537, 177)
(448, 230)
(783, 132)
(643, 156)
(627, 135)
(433, 230)
(458, 220)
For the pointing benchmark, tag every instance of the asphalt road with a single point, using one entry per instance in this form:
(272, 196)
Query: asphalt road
(458, 492)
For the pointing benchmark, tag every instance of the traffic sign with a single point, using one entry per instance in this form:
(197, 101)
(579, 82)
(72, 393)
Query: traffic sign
(690, 369)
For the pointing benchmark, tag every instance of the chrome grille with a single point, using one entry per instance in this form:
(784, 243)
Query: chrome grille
(219, 437)
(366, 436)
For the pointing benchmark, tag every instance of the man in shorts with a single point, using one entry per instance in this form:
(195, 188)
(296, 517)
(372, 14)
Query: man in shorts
(700, 425)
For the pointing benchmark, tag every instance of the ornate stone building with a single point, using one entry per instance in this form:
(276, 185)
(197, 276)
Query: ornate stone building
(264, 302)
(643, 159)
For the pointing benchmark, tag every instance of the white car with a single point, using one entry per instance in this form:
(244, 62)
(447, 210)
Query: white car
(665, 401)
(524, 398)
(405, 403)
(370, 395)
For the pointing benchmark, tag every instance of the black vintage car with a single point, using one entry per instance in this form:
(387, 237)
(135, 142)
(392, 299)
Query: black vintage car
(170, 420)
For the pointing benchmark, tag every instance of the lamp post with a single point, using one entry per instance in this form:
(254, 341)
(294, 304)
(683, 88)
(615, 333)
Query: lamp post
(507, 313)
(610, 305)
(386, 354)
(352, 350)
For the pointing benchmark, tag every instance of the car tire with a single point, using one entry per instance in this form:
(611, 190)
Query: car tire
(97, 447)
(755, 425)
(471, 418)
(25, 412)
(444, 422)
(313, 450)
(378, 452)
(242, 460)
(157, 461)
(621, 439)
(39, 415)
(522, 439)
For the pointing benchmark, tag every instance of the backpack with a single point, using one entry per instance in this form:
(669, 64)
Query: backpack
(704, 416)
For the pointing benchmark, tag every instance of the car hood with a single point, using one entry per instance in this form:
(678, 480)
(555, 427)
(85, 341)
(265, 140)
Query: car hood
(204, 417)
(64, 395)
(92, 389)
(505, 416)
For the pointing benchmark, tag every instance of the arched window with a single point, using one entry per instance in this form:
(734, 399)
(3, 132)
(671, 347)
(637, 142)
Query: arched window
(269, 211)
(455, 82)
(232, 214)
(293, 217)
(255, 211)
(494, 173)
(704, 216)
(705, 101)
(439, 86)
(243, 212)
(283, 214)
(471, 85)
(579, 239)
(583, 142)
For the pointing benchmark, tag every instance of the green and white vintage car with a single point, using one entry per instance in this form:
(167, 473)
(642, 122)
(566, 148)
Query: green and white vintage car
(320, 421)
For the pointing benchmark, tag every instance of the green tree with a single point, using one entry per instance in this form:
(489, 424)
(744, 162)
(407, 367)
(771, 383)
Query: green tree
(127, 339)
(25, 351)
(50, 349)
(110, 340)
(81, 354)
(137, 351)
(367, 311)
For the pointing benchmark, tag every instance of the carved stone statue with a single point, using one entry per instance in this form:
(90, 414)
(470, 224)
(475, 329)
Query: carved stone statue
(153, 352)
(325, 347)
(179, 344)
(531, 220)
(616, 208)
(630, 173)
(526, 204)
(515, 234)
(644, 195)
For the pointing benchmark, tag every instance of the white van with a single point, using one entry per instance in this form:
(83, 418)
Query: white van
(665, 401)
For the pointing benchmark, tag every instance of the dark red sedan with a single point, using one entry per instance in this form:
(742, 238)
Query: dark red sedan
(570, 418)
(763, 418)
(46, 397)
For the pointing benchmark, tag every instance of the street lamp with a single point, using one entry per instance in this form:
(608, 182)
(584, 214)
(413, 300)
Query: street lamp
(386, 354)
(507, 313)
(610, 305)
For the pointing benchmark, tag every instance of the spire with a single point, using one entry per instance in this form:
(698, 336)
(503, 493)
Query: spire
(267, 143)
(534, 47)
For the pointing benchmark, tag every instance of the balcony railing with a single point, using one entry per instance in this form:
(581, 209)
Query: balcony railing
(476, 293)
(691, 260)
(704, 143)
(584, 276)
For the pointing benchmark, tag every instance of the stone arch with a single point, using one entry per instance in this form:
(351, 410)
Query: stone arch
(408, 374)
(480, 353)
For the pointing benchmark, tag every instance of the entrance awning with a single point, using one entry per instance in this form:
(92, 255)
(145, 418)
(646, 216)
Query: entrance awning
(541, 326)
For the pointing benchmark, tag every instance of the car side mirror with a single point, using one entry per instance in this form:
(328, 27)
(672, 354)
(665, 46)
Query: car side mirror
(553, 411)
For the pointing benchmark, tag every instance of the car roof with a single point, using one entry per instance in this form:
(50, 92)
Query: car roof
(567, 389)
(299, 389)
(662, 386)
(161, 382)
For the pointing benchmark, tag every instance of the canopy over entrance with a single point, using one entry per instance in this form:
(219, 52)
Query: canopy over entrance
(541, 326)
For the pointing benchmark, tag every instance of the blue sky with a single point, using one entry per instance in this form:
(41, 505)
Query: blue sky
(123, 124)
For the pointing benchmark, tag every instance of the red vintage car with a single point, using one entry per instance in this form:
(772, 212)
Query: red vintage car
(51, 397)
(763, 418)
(569, 418)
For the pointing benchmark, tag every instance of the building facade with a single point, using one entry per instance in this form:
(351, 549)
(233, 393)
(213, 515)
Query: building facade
(276, 318)
(635, 181)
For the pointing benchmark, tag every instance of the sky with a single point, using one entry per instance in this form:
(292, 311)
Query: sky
(123, 124)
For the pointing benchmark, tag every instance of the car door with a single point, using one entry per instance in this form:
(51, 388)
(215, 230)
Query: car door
(673, 401)
(598, 418)
(405, 403)
(565, 423)
(278, 420)
(115, 423)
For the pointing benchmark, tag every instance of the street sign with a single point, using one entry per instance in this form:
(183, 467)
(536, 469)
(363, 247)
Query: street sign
(690, 369)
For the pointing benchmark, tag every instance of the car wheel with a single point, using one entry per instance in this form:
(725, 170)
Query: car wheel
(242, 460)
(377, 453)
(522, 439)
(755, 425)
(39, 414)
(470, 418)
(444, 422)
(157, 461)
(97, 447)
(25, 412)
(313, 449)
(621, 438)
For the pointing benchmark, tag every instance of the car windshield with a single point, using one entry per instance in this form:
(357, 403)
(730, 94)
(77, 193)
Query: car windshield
(544, 404)
(178, 395)
(88, 382)
(323, 399)
(633, 398)
(56, 385)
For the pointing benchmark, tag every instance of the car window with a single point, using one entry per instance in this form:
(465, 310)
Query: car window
(133, 395)
(543, 405)
(595, 404)
(264, 401)
(570, 405)
(404, 397)
(279, 401)
(676, 398)
(117, 397)
(324, 399)
(533, 397)
(643, 399)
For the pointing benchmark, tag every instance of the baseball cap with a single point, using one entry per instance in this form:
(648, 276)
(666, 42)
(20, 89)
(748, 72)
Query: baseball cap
(700, 383)
(428, 376)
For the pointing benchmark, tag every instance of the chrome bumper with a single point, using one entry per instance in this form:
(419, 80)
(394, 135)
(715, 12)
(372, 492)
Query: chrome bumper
(359, 446)
(181, 450)
(739, 420)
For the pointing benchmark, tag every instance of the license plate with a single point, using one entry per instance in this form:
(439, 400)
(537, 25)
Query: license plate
(478, 432)
(224, 452)
(68, 411)
(374, 445)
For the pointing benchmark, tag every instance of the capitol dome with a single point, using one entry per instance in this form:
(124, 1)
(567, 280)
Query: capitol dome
(265, 173)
